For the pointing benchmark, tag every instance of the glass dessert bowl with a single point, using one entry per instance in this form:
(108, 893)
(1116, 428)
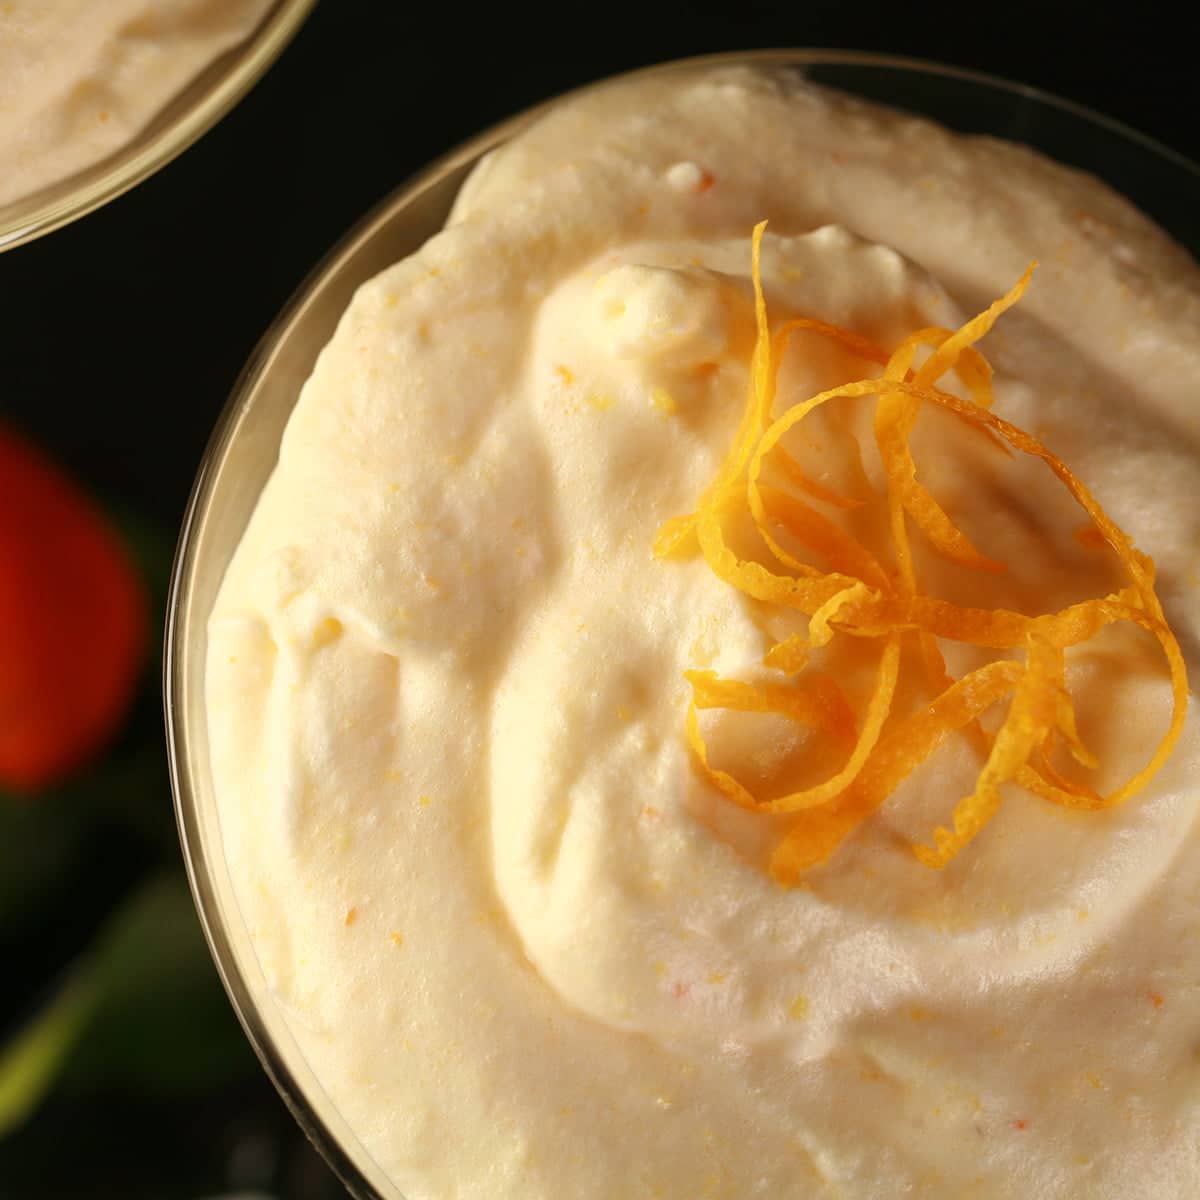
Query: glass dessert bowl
(245, 445)
(200, 103)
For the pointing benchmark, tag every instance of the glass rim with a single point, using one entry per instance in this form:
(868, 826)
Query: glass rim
(181, 764)
(179, 761)
(151, 149)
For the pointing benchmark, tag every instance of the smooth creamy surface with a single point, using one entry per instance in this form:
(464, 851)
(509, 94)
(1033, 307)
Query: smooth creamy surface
(515, 935)
(79, 79)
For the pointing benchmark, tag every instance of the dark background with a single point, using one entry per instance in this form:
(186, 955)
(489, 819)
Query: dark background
(121, 335)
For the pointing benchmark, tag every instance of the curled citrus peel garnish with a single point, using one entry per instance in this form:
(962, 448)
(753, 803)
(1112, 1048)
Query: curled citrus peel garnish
(857, 596)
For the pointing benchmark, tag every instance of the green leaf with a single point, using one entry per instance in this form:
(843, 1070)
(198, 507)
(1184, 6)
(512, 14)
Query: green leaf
(144, 1009)
(33, 1059)
(162, 1022)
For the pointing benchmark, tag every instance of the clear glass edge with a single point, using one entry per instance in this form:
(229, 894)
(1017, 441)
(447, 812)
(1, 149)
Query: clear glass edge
(180, 765)
(95, 186)
(179, 616)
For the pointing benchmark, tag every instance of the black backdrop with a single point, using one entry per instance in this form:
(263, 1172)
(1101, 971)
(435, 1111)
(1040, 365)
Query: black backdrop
(121, 335)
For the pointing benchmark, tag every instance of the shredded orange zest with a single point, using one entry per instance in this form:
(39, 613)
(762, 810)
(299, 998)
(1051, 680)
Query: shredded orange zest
(854, 594)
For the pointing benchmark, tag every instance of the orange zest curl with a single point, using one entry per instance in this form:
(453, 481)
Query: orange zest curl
(854, 594)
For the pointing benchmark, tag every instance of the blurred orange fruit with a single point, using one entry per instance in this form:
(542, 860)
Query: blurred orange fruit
(73, 622)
